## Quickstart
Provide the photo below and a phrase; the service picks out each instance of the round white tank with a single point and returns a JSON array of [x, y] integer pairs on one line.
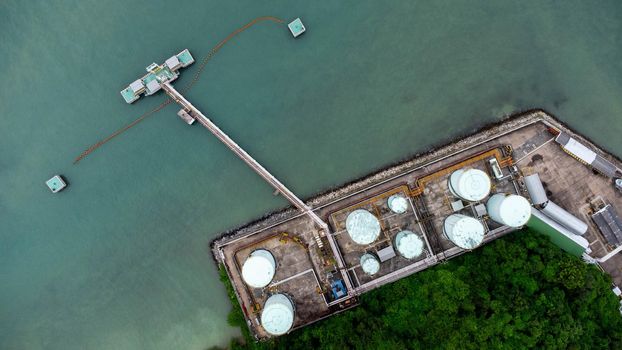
[[536, 189], [258, 270], [398, 204], [370, 264], [362, 226], [509, 209], [471, 185], [277, 316], [464, 231], [408, 244]]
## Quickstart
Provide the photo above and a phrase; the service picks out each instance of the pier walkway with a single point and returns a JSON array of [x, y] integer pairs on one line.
[[259, 169]]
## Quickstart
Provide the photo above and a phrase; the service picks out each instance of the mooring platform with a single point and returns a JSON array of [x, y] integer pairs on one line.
[[56, 184], [149, 84]]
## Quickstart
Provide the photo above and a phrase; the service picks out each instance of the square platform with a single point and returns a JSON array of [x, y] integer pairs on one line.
[[56, 184], [296, 27]]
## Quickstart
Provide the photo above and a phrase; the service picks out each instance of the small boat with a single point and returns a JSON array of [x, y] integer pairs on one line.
[[56, 184]]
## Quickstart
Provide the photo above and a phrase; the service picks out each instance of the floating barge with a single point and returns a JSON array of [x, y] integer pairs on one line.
[[149, 84], [444, 206]]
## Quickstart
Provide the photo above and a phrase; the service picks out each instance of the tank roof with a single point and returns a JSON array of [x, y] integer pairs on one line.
[[515, 210], [397, 203], [258, 270], [408, 244], [470, 184], [362, 226], [277, 316], [464, 231]]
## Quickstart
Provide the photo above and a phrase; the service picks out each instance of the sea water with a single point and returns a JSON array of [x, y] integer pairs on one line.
[[120, 259]]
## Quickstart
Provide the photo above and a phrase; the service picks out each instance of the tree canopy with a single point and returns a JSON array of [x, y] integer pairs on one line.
[[517, 292]]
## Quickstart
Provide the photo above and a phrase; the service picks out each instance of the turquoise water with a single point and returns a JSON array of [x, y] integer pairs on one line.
[[120, 260]]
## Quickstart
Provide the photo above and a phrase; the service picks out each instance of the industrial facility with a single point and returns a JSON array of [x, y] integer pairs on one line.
[[288, 271]]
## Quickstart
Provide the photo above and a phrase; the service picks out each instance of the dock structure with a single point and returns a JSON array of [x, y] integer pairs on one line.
[[149, 84], [240, 152], [259, 169], [161, 76]]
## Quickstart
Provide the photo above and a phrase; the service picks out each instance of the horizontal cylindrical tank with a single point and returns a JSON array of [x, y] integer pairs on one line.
[[362, 226], [277, 316], [370, 264], [464, 231], [471, 184], [509, 209], [408, 244], [398, 203], [563, 217], [535, 189], [258, 270]]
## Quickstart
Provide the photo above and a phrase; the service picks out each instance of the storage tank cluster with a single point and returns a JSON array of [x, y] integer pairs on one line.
[[277, 316], [550, 209], [474, 185]]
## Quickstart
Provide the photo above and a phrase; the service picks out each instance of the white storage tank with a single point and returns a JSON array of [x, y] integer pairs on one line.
[[464, 231], [277, 316], [408, 244], [535, 189], [370, 264], [362, 226], [471, 184], [258, 270], [398, 203], [563, 217], [509, 209]]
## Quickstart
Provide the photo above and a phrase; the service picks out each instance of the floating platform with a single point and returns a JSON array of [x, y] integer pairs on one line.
[[56, 184], [151, 82], [296, 27]]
